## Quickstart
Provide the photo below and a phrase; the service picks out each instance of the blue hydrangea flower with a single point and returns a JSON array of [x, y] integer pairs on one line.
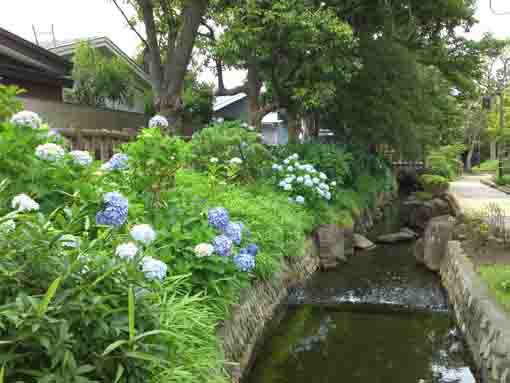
[[252, 249], [218, 218], [244, 261], [118, 161], [115, 210], [154, 268], [222, 245], [234, 231]]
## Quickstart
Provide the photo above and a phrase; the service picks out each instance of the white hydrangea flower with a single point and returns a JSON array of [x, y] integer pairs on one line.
[[154, 268], [327, 195], [126, 251], [333, 183], [307, 177], [27, 118], [236, 161], [81, 157], [204, 250], [70, 241], [324, 186], [22, 202], [290, 168], [275, 167], [50, 152], [282, 183], [300, 199], [300, 179], [220, 120], [143, 233], [158, 121], [286, 161], [287, 187], [323, 176], [316, 180], [7, 226], [251, 128], [213, 160], [308, 183]]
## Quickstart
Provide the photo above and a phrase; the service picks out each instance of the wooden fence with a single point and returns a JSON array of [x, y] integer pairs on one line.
[[99, 142]]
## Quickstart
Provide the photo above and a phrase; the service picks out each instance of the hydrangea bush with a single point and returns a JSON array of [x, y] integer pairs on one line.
[[303, 182]]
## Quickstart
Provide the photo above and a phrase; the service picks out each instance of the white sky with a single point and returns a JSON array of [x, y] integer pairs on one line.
[[87, 18]]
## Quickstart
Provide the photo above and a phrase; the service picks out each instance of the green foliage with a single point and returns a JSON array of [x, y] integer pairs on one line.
[[100, 80], [154, 159], [334, 160], [51, 182], [444, 161], [64, 313], [433, 180], [197, 100], [503, 180], [278, 235], [424, 196], [228, 140], [497, 277], [487, 166], [8, 102]]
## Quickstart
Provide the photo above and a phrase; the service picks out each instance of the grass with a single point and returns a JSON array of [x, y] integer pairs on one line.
[[497, 278], [487, 166]]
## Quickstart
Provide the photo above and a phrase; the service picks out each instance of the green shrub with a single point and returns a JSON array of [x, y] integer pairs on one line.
[[227, 140], [444, 161], [334, 160], [433, 180], [9, 104], [498, 277], [503, 180], [68, 309], [487, 166], [424, 196]]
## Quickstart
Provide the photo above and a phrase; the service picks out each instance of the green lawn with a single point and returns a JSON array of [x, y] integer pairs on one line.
[[498, 279]]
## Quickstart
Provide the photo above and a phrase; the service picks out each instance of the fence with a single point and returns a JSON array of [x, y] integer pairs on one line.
[[99, 131]]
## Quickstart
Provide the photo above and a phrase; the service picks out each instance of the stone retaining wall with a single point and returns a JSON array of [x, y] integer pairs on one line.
[[484, 323], [244, 331], [260, 303]]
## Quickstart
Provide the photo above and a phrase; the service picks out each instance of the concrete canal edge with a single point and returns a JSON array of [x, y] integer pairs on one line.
[[484, 323]]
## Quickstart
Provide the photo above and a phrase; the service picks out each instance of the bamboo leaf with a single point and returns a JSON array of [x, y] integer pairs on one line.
[[114, 346], [118, 375], [43, 306], [131, 314]]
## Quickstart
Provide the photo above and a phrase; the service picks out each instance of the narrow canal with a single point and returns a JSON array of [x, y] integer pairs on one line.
[[378, 319]]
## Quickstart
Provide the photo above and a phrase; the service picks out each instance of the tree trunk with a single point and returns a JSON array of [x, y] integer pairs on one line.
[[469, 157], [494, 151], [294, 126], [254, 86]]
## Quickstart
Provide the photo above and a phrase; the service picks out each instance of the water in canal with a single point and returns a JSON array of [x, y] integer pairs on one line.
[[378, 319]]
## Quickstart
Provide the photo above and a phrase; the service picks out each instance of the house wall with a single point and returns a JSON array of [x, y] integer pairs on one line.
[[62, 115], [41, 91]]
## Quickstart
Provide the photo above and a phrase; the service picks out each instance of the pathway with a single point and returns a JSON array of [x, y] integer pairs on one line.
[[473, 196]]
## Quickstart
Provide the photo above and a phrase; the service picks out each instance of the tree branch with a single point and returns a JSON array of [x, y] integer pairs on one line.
[[129, 23], [233, 91]]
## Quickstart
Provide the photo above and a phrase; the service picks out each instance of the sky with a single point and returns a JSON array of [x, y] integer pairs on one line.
[[92, 18]]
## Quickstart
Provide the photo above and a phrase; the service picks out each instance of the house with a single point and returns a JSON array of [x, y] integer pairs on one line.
[[274, 130], [43, 74], [67, 48]]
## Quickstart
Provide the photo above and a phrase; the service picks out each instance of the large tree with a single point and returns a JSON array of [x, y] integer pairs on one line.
[[171, 27], [294, 49]]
